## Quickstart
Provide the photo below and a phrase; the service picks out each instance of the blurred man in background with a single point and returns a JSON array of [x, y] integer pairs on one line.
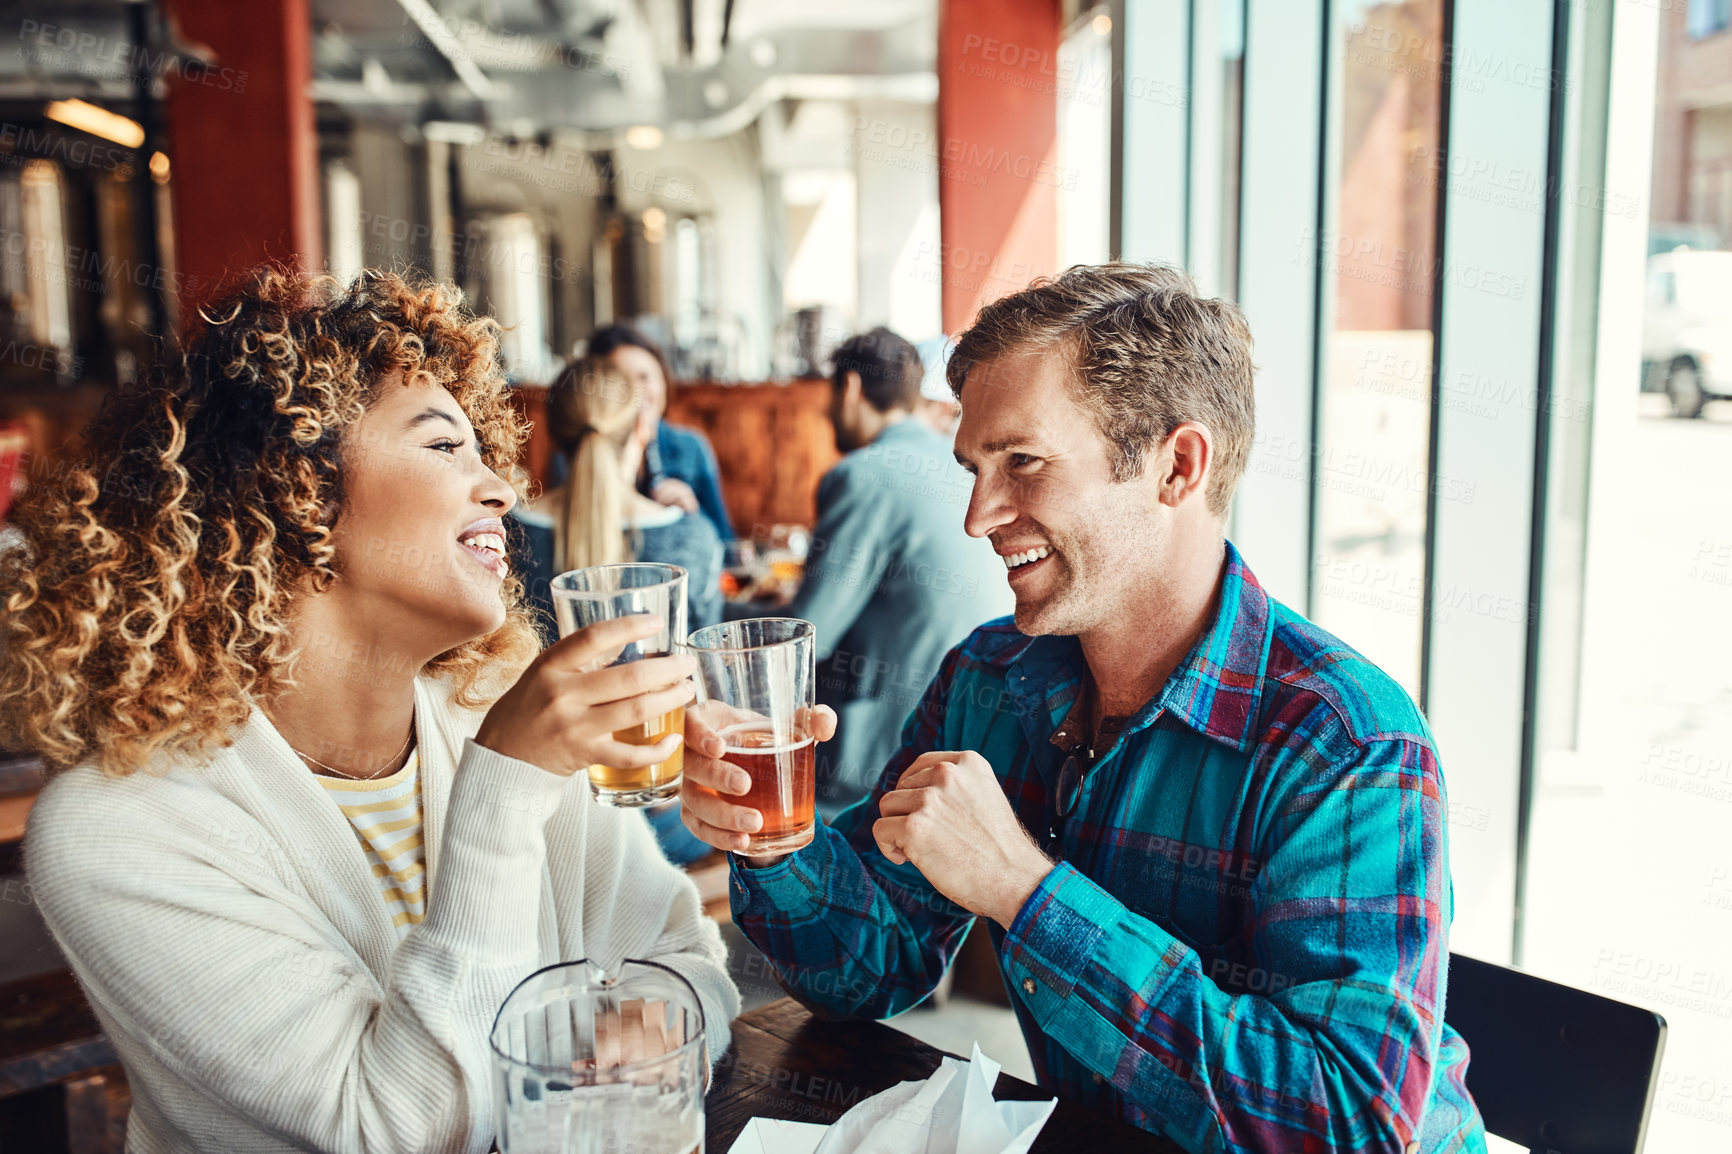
[[892, 581]]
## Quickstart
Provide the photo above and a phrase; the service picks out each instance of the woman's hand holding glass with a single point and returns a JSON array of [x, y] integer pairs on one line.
[[563, 712]]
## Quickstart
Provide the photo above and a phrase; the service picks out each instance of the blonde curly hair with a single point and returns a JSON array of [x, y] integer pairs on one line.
[[149, 604]]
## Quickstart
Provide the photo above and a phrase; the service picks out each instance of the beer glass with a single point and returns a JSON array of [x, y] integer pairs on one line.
[[755, 685], [592, 1061], [583, 597]]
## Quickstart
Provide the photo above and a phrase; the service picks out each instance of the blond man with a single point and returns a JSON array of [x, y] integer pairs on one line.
[[1207, 838]]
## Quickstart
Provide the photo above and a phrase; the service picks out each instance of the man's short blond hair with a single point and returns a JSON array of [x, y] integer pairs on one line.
[[1148, 353]]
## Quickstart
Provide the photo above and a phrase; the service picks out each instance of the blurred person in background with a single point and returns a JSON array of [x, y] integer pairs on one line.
[[678, 466], [937, 405], [319, 798], [601, 423], [892, 581]]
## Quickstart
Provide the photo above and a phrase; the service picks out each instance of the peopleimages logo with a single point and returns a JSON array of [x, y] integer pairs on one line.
[[45, 358], [1406, 49], [1512, 186], [85, 269], [1370, 259], [93, 51], [24, 144], [1070, 78]]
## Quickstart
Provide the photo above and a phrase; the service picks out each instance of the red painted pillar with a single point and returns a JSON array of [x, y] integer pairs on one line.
[[242, 141], [998, 84]]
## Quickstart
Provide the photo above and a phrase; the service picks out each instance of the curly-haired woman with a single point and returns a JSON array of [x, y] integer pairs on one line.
[[318, 804]]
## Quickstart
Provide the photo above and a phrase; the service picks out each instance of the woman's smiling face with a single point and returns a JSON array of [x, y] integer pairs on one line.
[[420, 546]]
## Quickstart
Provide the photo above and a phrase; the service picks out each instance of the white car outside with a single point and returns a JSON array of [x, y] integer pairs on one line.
[[1687, 329]]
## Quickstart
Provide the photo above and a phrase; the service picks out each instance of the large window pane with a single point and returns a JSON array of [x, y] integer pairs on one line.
[[1375, 399], [1231, 61], [1217, 129], [1085, 123], [1707, 17], [1629, 878]]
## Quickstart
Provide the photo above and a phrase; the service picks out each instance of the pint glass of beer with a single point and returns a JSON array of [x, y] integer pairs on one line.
[[583, 597], [755, 685]]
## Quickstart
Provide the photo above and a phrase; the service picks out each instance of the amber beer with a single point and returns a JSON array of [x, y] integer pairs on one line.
[[658, 778], [584, 597], [755, 681], [783, 783]]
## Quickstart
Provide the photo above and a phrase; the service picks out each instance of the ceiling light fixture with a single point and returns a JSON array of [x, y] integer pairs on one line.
[[97, 121], [453, 132]]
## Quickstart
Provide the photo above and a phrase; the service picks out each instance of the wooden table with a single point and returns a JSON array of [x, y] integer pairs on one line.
[[47, 1032], [785, 1063], [61, 1085]]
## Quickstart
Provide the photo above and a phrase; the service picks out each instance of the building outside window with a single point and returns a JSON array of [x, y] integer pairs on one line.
[[1707, 17]]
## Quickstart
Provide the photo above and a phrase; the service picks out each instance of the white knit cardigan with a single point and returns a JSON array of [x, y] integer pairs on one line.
[[231, 938]]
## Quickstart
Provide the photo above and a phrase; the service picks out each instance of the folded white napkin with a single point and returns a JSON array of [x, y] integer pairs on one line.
[[774, 1136], [952, 1112]]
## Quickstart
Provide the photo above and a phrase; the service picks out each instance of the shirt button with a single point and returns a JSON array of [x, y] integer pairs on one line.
[[1028, 985], [1099, 1081], [1413, 1148]]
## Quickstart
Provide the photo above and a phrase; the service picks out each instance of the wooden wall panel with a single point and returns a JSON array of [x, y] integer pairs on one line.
[[538, 451], [773, 442]]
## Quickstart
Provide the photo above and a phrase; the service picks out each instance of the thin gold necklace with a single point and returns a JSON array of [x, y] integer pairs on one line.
[[354, 776]]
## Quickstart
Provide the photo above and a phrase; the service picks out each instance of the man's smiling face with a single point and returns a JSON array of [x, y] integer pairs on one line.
[[1076, 543]]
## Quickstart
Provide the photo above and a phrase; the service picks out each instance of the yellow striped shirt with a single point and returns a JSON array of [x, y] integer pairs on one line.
[[386, 815]]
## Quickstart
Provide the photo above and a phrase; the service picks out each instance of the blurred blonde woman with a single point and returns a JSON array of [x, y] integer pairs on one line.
[[600, 422], [318, 801]]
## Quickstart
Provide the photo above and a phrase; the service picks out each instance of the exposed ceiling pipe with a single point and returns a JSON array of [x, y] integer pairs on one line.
[[433, 27], [913, 88]]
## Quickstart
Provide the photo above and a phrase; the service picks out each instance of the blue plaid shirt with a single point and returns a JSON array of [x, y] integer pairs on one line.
[[1244, 943]]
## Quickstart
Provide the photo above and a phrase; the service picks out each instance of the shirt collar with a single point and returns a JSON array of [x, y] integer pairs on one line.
[[1216, 690], [1218, 687]]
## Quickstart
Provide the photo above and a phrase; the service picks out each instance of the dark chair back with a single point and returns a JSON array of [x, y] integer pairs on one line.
[[1554, 1068]]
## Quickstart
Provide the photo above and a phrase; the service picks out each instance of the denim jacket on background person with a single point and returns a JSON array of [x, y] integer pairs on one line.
[[683, 454]]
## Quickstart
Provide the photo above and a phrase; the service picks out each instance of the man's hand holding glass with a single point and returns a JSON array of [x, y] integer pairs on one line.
[[948, 816]]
